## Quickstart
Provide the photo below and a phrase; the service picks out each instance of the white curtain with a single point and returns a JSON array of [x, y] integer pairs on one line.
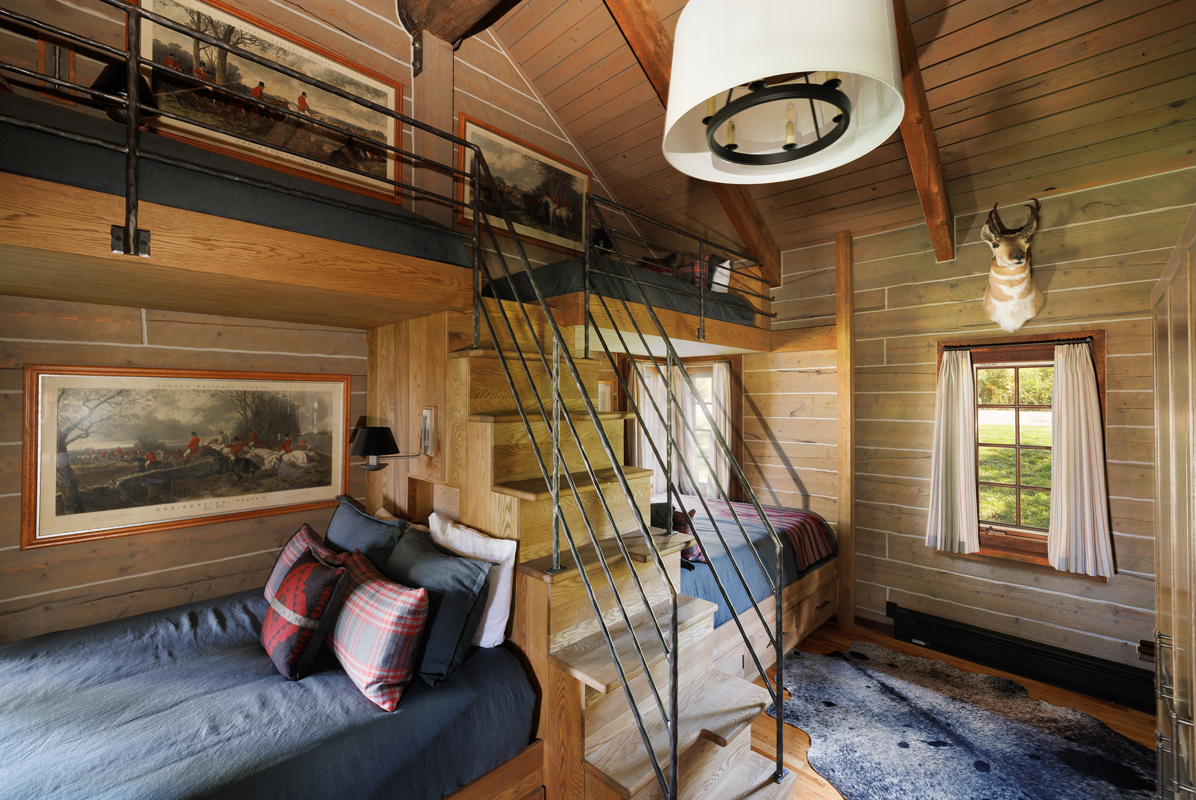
[[1078, 539], [722, 420], [685, 446], [954, 516], [653, 429]]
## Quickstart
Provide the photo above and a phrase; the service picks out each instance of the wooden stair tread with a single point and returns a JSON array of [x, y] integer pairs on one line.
[[588, 659], [540, 568], [751, 778], [715, 706], [534, 416], [534, 489]]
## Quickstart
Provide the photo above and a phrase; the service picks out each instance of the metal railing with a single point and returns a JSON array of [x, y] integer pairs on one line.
[[518, 345]]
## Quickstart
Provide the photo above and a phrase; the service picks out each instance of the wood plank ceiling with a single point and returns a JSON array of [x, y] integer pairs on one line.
[[1028, 97]]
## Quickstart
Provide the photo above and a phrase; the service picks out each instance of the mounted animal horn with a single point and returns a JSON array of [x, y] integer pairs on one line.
[[1012, 296]]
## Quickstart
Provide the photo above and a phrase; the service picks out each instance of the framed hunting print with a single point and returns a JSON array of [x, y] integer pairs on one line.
[[544, 195], [111, 451], [269, 116]]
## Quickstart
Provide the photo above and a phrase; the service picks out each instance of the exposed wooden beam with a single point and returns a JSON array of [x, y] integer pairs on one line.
[[653, 48], [845, 369], [449, 20], [917, 129]]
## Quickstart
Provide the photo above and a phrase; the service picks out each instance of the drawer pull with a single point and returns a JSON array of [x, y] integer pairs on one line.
[[822, 605]]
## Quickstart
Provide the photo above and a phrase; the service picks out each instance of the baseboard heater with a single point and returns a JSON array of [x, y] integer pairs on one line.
[[1107, 680]]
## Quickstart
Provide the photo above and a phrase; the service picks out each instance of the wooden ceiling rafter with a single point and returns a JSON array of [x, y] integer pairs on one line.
[[653, 48], [448, 20], [917, 131]]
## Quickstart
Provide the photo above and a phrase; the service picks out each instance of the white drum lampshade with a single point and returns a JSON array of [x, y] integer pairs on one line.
[[834, 61]]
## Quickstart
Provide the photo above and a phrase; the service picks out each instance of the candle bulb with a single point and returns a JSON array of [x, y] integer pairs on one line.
[[709, 111], [731, 134], [790, 137]]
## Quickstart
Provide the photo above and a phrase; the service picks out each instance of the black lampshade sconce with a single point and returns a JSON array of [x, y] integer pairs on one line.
[[114, 80], [377, 443]]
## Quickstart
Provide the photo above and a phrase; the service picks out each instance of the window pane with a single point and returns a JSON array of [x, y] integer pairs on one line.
[[994, 387], [996, 426], [1036, 509], [996, 465], [1034, 386], [998, 505], [1036, 468], [1035, 427]]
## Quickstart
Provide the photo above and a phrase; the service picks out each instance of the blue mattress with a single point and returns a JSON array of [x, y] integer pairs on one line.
[[185, 703], [663, 291], [49, 157]]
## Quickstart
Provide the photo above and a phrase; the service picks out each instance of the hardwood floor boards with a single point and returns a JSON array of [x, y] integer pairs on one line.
[[830, 637]]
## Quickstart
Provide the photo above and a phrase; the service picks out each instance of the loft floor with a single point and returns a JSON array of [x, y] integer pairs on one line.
[[830, 637]]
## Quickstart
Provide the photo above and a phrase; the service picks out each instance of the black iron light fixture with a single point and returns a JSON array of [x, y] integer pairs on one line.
[[377, 444], [114, 80]]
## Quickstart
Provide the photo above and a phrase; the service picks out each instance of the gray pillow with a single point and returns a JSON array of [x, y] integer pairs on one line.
[[352, 529], [457, 589]]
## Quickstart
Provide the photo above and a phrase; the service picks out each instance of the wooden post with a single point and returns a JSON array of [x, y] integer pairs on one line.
[[432, 98], [380, 408], [845, 367]]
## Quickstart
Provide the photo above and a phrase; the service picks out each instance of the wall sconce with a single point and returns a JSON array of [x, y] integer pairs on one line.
[[114, 80], [378, 442]]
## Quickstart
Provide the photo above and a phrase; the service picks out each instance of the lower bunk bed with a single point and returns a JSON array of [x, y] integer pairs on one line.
[[189, 703], [809, 576]]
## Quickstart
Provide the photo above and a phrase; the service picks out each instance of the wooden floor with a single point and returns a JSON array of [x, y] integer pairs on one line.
[[830, 637]]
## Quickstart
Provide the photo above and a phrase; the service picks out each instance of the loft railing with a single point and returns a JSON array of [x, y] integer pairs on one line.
[[549, 352]]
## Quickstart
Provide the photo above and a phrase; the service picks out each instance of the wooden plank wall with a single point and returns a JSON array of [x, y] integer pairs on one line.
[[1096, 256], [67, 586]]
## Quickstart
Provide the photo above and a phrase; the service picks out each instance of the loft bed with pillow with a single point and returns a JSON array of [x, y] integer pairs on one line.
[[809, 577], [195, 701]]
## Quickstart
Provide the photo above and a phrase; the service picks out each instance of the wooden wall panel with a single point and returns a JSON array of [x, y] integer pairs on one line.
[[71, 585], [1097, 254]]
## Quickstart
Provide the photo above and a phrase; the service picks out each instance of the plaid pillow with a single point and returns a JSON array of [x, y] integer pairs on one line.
[[681, 520], [301, 613], [693, 553], [378, 632], [304, 539], [697, 272]]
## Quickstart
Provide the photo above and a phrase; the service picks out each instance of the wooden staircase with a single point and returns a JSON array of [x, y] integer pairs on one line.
[[593, 746]]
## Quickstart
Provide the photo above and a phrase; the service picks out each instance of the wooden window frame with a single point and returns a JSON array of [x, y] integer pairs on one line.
[[1009, 543]]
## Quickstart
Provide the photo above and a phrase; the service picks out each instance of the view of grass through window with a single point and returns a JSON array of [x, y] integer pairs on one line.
[[1013, 425]]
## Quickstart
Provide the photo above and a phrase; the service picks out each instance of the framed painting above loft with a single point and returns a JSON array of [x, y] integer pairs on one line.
[[290, 131], [111, 451], [544, 195]]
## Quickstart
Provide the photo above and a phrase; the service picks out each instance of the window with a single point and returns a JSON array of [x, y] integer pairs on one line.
[[1013, 460], [703, 439]]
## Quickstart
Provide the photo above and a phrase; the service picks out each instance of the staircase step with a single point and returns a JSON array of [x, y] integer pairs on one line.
[[750, 778], [534, 415], [714, 706], [534, 489], [588, 660], [637, 548], [509, 352]]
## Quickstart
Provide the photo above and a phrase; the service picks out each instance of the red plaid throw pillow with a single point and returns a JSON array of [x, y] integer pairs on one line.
[[304, 539], [681, 519], [378, 632], [697, 272], [301, 613]]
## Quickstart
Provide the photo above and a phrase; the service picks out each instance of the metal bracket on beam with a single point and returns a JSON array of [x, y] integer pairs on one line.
[[417, 54], [140, 248]]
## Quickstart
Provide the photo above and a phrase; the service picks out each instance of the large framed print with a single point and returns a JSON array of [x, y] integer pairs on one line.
[[292, 142], [544, 195], [111, 451]]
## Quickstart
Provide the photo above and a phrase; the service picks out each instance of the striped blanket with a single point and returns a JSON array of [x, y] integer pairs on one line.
[[804, 531]]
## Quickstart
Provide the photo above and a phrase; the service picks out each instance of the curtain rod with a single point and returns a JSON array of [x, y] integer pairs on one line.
[[1081, 340]]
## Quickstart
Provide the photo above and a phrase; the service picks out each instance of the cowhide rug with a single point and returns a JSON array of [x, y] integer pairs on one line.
[[886, 726]]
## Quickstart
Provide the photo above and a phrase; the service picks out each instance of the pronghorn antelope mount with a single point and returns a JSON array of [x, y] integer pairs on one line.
[[1012, 296]]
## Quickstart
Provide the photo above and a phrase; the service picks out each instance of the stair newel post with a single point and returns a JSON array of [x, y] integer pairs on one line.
[[556, 455]]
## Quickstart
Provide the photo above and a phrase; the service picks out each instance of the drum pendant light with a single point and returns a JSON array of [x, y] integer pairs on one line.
[[772, 90]]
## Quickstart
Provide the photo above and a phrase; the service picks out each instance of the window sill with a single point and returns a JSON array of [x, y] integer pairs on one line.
[[1037, 563]]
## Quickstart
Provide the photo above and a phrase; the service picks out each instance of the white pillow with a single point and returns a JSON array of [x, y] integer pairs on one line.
[[721, 277], [470, 543], [438, 523]]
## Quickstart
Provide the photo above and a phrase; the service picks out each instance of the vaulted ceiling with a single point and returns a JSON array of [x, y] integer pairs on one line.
[[1027, 97]]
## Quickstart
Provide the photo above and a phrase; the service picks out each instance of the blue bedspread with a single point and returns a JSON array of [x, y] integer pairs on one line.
[[185, 703], [806, 538]]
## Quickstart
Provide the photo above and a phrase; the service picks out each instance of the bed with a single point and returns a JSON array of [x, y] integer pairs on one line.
[[663, 291], [185, 703], [809, 575], [49, 157]]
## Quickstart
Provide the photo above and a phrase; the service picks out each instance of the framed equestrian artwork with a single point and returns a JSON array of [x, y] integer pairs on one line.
[[112, 451], [543, 194], [269, 117]]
